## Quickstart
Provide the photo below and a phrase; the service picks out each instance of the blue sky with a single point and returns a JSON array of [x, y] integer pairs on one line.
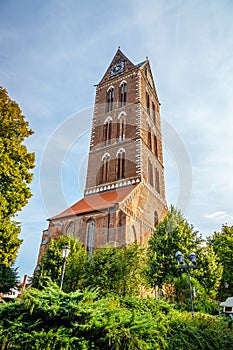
[[53, 52]]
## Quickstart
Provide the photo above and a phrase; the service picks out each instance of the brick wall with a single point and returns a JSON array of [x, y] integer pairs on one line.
[[133, 218]]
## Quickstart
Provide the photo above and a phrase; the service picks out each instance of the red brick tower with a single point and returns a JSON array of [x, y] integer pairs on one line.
[[124, 197]]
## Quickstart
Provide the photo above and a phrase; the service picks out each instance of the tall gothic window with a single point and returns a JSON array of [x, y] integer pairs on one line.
[[120, 165], [110, 99], [156, 219], [105, 168], [121, 128], [107, 131], [70, 228], [150, 172], [90, 237], [122, 94], [149, 143], [155, 146], [157, 181], [148, 103], [154, 113]]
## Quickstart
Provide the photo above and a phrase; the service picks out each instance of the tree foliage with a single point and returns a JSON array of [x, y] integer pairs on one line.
[[175, 234], [76, 268], [129, 270], [111, 270], [15, 174], [8, 278], [9, 241], [117, 270], [201, 300], [222, 244], [53, 320], [209, 270], [51, 265]]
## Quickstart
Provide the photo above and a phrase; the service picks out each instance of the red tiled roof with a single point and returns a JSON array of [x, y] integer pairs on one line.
[[97, 201]]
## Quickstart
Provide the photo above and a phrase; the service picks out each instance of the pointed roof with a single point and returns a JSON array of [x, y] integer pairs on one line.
[[141, 63], [118, 58], [145, 67], [96, 202]]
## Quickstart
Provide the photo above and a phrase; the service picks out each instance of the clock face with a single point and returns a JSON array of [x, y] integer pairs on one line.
[[118, 68]]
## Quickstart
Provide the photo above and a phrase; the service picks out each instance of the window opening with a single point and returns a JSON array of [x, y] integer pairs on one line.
[[110, 99], [150, 172], [105, 166], [123, 94], [121, 165], [90, 237], [156, 219]]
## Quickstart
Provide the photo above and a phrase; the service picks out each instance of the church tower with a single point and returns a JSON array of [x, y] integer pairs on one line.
[[124, 198]]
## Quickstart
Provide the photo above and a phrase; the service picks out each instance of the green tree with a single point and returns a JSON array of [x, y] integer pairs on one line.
[[9, 241], [51, 265], [209, 270], [202, 301], [51, 319], [117, 270], [222, 244], [75, 276], [173, 234], [8, 278], [15, 174]]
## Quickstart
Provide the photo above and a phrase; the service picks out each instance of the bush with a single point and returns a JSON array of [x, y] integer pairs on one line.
[[51, 319]]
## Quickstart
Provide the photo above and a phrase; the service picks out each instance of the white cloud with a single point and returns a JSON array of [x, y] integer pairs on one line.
[[219, 216], [53, 53]]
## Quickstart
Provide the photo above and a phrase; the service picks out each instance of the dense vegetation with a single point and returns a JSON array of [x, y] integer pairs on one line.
[[8, 278], [111, 270], [222, 244], [108, 301], [52, 319], [15, 177], [174, 234], [135, 270]]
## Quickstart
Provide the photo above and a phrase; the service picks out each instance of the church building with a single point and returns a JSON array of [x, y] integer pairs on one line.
[[124, 198]]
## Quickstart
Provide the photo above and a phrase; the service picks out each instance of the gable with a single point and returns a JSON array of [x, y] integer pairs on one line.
[[119, 65], [148, 74]]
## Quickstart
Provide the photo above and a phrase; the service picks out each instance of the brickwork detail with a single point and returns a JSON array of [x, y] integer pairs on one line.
[[126, 135]]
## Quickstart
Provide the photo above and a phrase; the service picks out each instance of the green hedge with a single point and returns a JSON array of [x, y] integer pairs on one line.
[[51, 319]]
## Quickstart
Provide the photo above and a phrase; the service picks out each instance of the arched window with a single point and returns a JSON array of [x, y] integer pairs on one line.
[[156, 219], [149, 135], [120, 164], [105, 167], [121, 127], [134, 234], [157, 184], [148, 102], [150, 172], [122, 94], [155, 146], [90, 237], [110, 99], [70, 228], [153, 112], [120, 219], [107, 131]]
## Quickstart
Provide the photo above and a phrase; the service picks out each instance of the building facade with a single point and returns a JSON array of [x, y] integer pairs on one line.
[[124, 198]]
